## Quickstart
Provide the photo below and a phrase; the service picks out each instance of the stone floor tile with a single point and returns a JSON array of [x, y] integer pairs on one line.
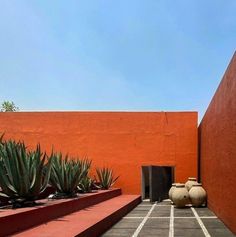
[[160, 214], [204, 212], [146, 232], [185, 223], [188, 233], [213, 223], [127, 223], [142, 208], [161, 211], [137, 214], [162, 208], [141, 213], [183, 212], [158, 223], [165, 202], [222, 232]]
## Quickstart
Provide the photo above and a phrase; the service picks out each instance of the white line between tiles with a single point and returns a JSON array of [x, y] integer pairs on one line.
[[137, 231], [150, 217], [206, 233], [167, 217], [171, 228], [159, 205], [193, 217]]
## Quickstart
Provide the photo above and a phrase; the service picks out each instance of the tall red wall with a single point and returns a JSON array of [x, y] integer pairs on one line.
[[122, 140], [217, 143]]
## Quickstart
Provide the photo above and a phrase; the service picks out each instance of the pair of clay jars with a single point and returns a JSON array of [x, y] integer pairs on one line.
[[192, 192], [197, 194]]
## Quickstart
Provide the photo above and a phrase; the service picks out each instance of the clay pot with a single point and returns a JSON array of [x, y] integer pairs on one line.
[[171, 191], [191, 181], [180, 195], [197, 195]]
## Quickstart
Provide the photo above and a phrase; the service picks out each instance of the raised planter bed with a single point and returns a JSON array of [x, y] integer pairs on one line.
[[12, 221], [89, 222]]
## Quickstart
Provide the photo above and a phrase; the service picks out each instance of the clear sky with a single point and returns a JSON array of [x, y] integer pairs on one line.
[[147, 55]]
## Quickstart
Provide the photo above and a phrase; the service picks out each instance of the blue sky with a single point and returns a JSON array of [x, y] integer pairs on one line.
[[147, 55]]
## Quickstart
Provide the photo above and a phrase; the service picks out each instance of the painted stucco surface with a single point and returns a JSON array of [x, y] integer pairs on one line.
[[122, 140], [217, 141]]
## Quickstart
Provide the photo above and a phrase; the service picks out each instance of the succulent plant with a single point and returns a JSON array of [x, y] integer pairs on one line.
[[86, 184], [23, 174], [66, 174], [105, 177]]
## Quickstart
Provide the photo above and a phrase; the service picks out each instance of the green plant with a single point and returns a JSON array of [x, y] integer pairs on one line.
[[86, 184], [105, 177], [9, 106], [23, 174], [66, 174]]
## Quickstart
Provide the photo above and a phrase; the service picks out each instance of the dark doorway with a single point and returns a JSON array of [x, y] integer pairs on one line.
[[156, 182], [145, 183]]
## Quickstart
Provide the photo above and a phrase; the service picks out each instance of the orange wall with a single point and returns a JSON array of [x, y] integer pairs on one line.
[[217, 141], [123, 140]]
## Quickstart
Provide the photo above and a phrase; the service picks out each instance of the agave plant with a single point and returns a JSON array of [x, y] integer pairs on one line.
[[86, 185], [66, 174], [105, 177], [23, 174]]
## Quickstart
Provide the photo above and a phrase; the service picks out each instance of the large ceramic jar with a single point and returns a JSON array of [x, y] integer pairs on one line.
[[171, 191], [197, 195], [180, 195], [191, 181]]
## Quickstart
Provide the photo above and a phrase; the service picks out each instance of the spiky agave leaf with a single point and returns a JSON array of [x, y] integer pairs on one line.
[[1, 138], [21, 172], [106, 177], [86, 184], [66, 174]]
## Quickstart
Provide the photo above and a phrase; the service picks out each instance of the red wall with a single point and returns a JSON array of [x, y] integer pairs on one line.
[[217, 141], [123, 140]]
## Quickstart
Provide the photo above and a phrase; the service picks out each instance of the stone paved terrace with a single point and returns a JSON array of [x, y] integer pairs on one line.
[[162, 219]]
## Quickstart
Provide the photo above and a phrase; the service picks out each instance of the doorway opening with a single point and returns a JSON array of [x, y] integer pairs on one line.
[[156, 182], [146, 183]]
